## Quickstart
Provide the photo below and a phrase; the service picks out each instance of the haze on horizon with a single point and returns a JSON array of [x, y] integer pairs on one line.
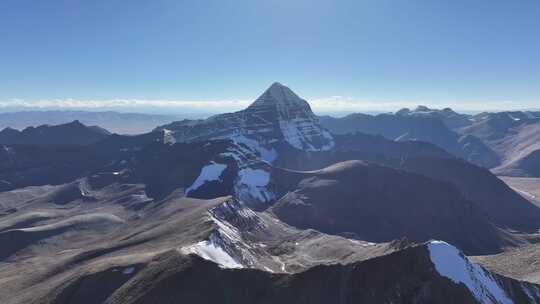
[[170, 56]]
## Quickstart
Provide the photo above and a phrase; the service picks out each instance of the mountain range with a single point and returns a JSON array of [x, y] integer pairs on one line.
[[116, 122], [73, 133], [506, 142], [269, 204]]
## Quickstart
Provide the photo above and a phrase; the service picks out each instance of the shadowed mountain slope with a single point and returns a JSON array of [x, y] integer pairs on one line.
[[69, 134], [378, 204], [400, 127]]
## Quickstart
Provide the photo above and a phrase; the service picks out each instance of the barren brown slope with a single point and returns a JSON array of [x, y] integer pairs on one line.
[[92, 243], [513, 136], [527, 187], [519, 263]]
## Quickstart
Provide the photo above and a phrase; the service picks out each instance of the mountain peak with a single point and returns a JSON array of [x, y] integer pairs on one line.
[[276, 85], [279, 95], [72, 133], [422, 108], [74, 123], [277, 116], [10, 130]]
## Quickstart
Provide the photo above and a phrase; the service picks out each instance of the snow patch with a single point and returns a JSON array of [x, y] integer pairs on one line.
[[362, 243], [514, 118], [128, 270], [252, 185], [209, 173], [212, 250], [452, 264], [225, 245], [238, 216], [330, 144], [8, 149], [243, 155], [293, 136], [299, 133], [168, 137], [268, 155]]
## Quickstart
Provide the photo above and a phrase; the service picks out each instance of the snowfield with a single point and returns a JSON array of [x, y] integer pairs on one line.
[[266, 154], [252, 185], [299, 133], [209, 173]]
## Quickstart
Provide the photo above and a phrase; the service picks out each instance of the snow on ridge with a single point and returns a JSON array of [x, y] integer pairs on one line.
[[225, 246], [513, 117], [209, 173], [252, 182], [232, 207], [212, 250], [452, 264], [237, 215]]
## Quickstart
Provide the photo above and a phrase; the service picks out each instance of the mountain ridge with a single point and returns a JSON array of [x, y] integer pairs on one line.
[[70, 134]]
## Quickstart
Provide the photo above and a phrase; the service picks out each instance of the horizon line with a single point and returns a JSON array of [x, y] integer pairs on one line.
[[332, 104]]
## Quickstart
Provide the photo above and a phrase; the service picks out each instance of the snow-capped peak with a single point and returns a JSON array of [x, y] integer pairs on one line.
[[277, 116], [296, 124]]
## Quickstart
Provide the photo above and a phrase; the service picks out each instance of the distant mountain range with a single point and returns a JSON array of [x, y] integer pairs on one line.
[[507, 142], [514, 136], [270, 204], [121, 123], [72, 134], [405, 126]]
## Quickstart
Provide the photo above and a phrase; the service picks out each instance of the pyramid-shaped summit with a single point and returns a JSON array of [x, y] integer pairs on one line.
[[288, 117], [278, 116], [280, 98]]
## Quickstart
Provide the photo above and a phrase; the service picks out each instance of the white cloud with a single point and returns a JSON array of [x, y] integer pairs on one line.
[[332, 104], [349, 104], [70, 103]]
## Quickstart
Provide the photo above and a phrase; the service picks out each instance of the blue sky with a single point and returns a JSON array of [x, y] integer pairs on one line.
[[340, 55]]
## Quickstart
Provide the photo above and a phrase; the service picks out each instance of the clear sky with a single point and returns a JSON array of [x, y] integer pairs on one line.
[[340, 55]]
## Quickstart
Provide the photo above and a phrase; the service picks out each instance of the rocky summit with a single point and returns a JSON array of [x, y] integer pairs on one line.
[[278, 117]]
